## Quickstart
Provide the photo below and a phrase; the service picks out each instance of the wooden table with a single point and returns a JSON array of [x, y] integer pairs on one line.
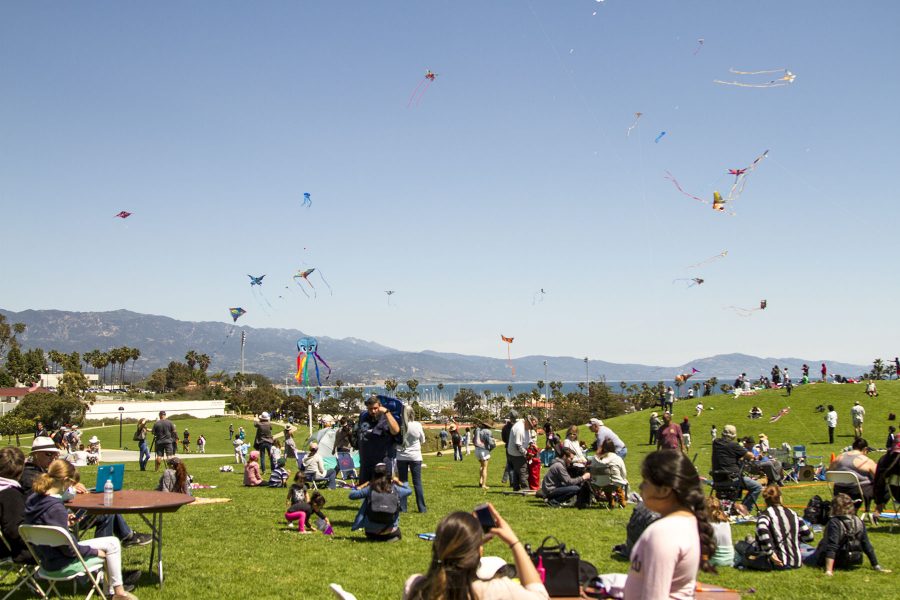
[[137, 502]]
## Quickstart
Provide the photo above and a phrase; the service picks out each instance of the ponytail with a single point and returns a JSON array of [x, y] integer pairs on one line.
[[696, 503], [58, 473]]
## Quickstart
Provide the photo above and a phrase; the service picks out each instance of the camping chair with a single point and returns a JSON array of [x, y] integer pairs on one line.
[[346, 466], [49, 535], [341, 592], [24, 573], [728, 488], [849, 478], [300, 456], [893, 485]]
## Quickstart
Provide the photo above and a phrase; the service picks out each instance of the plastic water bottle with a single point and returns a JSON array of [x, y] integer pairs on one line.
[[108, 493]]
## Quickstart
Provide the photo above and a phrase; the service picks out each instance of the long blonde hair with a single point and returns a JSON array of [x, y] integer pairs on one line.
[[59, 473]]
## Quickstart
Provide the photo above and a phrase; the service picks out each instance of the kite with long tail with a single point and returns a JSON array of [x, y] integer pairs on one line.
[[389, 294], [691, 282], [307, 199], [509, 342], [423, 86], [748, 312], [256, 289], [637, 117], [304, 276], [787, 78], [307, 352], [682, 377], [721, 254]]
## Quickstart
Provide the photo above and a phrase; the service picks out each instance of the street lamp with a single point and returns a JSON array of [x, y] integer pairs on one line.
[[121, 412], [587, 382], [546, 383]]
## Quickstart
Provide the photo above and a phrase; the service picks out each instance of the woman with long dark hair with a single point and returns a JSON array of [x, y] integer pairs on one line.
[[175, 478], [666, 558], [454, 570], [379, 515]]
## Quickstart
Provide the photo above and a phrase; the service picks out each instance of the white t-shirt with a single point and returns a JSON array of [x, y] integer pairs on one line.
[[665, 561], [412, 443]]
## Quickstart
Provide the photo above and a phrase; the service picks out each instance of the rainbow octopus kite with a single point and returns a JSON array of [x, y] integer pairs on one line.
[[681, 378], [426, 81], [307, 351], [509, 342]]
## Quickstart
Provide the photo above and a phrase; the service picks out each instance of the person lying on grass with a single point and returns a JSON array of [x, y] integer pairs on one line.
[[454, 572]]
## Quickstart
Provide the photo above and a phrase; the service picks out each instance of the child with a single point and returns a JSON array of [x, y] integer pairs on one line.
[[297, 492], [279, 475], [713, 432], [238, 454], [201, 444], [245, 450], [252, 475], [303, 510], [532, 459], [699, 408], [275, 451], [724, 554], [94, 451]]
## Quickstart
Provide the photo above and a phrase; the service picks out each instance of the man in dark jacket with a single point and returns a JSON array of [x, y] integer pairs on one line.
[[558, 486], [12, 505]]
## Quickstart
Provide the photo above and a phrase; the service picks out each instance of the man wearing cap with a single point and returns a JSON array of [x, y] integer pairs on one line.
[[727, 456], [44, 452], [264, 440], [521, 434], [376, 430], [857, 415], [165, 438], [605, 433]]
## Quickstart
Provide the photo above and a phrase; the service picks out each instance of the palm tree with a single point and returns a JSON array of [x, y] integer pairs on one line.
[[135, 355], [390, 385], [203, 360], [412, 385], [191, 359], [440, 389]]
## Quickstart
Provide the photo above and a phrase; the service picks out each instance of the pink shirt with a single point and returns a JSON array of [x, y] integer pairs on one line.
[[665, 561], [500, 588]]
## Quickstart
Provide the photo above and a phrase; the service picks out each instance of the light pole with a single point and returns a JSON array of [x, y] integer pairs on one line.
[[121, 412], [546, 383], [587, 383]]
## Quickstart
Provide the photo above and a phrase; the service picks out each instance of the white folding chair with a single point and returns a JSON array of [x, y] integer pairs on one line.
[[23, 573], [341, 592], [848, 478], [49, 535]]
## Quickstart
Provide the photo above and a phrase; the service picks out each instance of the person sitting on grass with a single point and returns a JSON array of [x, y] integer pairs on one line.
[[175, 478], [845, 540], [721, 524], [279, 476], [379, 515], [303, 510], [252, 474], [558, 487], [779, 532], [666, 558], [45, 506], [314, 467], [608, 474], [456, 553]]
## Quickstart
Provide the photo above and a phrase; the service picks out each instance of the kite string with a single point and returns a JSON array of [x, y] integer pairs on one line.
[[413, 95]]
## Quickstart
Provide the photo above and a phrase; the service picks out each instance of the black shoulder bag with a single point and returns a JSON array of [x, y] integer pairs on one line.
[[562, 567]]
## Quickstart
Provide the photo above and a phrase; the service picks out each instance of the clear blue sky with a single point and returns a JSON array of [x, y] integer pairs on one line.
[[208, 121]]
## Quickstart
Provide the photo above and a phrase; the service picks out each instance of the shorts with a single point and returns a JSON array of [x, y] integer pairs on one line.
[[165, 449], [686, 438], [482, 454]]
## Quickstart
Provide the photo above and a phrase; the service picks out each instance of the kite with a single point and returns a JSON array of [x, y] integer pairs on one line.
[[659, 137], [124, 214], [426, 82], [307, 200], [304, 275], [236, 313], [256, 280], [677, 185], [691, 281], [538, 296], [637, 117], [509, 342], [736, 172], [718, 203], [680, 379], [307, 351], [780, 414], [786, 79], [699, 46], [722, 254], [748, 312], [740, 177], [389, 294]]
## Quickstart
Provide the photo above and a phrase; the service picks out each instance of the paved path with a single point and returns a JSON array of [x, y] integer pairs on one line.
[[116, 456]]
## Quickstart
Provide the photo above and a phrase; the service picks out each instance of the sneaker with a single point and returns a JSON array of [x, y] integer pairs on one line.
[[131, 577], [137, 539]]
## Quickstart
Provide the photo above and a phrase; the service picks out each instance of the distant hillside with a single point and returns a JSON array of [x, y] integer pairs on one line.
[[272, 352]]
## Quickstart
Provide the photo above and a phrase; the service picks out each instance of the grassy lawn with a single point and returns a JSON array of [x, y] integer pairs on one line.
[[243, 547]]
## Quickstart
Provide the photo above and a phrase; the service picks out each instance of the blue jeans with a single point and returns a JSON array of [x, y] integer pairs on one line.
[[144, 456], [113, 525], [416, 468], [622, 452], [457, 452], [563, 493], [754, 489], [330, 478], [265, 449]]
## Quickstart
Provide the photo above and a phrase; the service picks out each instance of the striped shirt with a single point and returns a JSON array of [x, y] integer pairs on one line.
[[779, 531]]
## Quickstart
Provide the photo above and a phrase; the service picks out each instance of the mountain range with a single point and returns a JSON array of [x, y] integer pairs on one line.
[[271, 352]]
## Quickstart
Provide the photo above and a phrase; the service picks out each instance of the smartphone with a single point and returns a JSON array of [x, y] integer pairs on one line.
[[485, 517]]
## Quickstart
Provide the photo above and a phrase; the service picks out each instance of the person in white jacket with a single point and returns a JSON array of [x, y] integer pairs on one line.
[[409, 459]]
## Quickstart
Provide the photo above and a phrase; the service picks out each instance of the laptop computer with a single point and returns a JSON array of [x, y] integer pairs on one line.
[[114, 472]]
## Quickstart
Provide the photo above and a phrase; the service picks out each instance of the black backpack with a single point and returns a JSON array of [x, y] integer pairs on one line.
[[850, 552], [817, 511], [383, 507]]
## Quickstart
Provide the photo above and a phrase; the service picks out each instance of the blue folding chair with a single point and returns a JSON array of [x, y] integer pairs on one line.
[[346, 466]]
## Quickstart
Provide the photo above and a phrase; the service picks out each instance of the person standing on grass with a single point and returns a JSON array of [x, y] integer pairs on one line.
[[456, 441], [484, 443], [263, 440], [231, 431], [824, 372], [164, 437], [654, 427], [467, 439], [666, 558], [831, 419], [140, 436], [377, 428], [857, 415], [520, 436], [686, 434], [409, 460], [504, 435], [669, 436]]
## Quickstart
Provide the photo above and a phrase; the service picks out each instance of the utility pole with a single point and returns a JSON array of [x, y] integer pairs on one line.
[[243, 342], [587, 383], [546, 383]]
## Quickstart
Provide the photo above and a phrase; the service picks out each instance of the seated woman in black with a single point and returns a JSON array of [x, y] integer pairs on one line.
[[845, 540], [12, 505]]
